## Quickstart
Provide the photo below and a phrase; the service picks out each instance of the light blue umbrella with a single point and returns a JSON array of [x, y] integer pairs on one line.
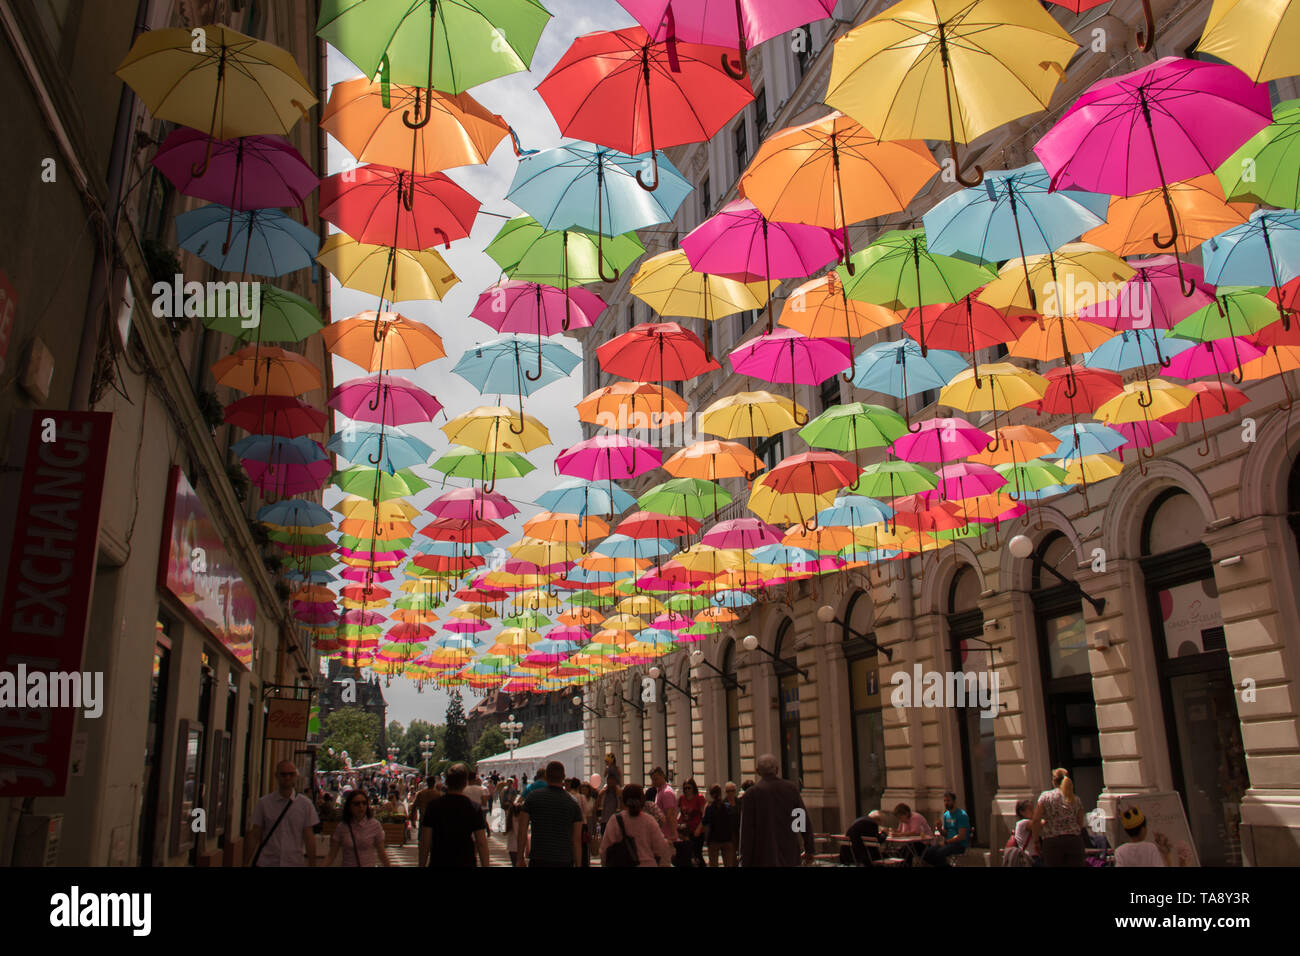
[[1133, 348], [448, 549], [294, 512], [1049, 491], [1263, 251], [1087, 438], [278, 450], [594, 188], [781, 554], [621, 546], [580, 575], [580, 497], [734, 599], [504, 366], [898, 369], [656, 637], [389, 447], [855, 511], [264, 242]]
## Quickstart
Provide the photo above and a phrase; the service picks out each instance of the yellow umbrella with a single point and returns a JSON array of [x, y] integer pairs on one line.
[[394, 275], [1073, 277], [473, 612], [494, 429], [624, 622], [516, 636], [702, 557], [545, 553], [998, 386], [541, 600], [640, 605], [751, 415], [1256, 36], [668, 285], [393, 509], [948, 69], [787, 508], [1143, 401], [1091, 468]]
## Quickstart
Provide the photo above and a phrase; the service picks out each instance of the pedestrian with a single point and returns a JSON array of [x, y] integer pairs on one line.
[[956, 833], [768, 809], [611, 766], [647, 844], [592, 838], [359, 837], [475, 791], [609, 799], [1058, 820], [720, 825], [550, 826], [691, 809], [281, 831], [573, 787], [512, 829], [1138, 851], [423, 799], [539, 781], [453, 828], [665, 800]]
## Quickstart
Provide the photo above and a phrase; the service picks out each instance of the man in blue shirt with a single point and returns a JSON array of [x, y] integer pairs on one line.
[[956, 832]]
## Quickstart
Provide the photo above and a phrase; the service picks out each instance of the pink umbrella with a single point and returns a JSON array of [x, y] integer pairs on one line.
[[1153, 298], [471, 504], [1213, 358], [968, 480], [363, 618], [745, 533], [373, 555], [608, 456], [787, 356], [367, 575], [672, 621], [1142, 434], [384, 399], [568, 632], [282, 481], [740, 241], [1167, 122], [941, 440], [531, 307], [747, 23], [1212, 400], [462, 626]]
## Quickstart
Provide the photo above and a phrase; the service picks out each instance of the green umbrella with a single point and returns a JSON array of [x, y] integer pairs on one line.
[[1264, 169], [1233, 313], [891, 479], [365, 481], [297, 537], [1032, 475], [281, 316], [529, 253], [853, 427], [314, 562], [418, 602], [376, 544], [471, 41], [685, 498], [587, 599], [462, 462], [687, 603], [530, 620], [897, 271], [702, 627], [601, 650]]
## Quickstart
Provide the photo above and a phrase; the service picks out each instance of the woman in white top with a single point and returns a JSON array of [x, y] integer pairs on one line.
[[1058, 822], [359, 837]]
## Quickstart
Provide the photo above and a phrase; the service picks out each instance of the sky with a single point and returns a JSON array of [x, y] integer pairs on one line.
[[514, 98]]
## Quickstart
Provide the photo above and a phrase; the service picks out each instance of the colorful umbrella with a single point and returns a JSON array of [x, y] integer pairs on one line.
[[384, 206], [262, 242]]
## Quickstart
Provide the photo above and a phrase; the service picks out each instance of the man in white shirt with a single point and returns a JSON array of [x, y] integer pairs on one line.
[[282, 825]]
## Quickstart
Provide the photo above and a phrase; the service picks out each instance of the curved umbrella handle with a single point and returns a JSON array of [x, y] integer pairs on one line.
[[654, 160], [1145, 401], [419, 122], [1205, 442], [374, 406], [529, 375], [1147, 39], [733, 72], [1173, 227], [957, 171], [1071, 386], [600, 259], [379, 452], [522, 425]]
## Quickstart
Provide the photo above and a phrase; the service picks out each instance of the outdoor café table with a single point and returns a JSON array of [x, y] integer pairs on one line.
[[909, 847]]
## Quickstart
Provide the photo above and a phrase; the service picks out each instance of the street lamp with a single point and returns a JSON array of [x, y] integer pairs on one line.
[[656, 673], [511, 728], [698, 659], [751, 644], [426, 748], [576, 700], [826, 614]]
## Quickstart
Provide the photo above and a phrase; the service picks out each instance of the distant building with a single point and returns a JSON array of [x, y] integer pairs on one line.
[[370, 698], [553, 711]]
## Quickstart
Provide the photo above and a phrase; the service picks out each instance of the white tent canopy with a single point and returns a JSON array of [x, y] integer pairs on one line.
[[569, 749]]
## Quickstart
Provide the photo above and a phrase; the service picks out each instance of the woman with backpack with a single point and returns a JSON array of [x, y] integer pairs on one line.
[[634, 838]]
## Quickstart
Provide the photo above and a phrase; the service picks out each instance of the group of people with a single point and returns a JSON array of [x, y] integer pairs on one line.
[[950, 837]]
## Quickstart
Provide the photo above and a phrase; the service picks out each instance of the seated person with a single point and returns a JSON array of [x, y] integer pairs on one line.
[[1138, 851], [910, 824], [1022, 846], [861, 829], [956, 833]]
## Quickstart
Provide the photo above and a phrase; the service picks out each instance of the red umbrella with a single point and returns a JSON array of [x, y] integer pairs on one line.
[[656, 352], [1077, 389], [812, 473], [463, 531], [643, 524], [1212, 400], [965, 326], [619, 89], [281, 415], [447, 563], [356, 592], [393, 207]]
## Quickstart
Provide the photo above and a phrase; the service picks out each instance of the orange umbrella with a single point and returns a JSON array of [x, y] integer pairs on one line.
[[267, 370], [626, 405], [581, 617], [1133, 222], [1049, 339], [401, 342], [363, 528], [549, 526], [833, 172], [822, 539], [714, 460], [411, 615], [1017, 443], [368, 119], [820, 309]]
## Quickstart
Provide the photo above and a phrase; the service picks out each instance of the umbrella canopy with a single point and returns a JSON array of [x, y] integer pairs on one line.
[[275, 415], [606, 457], [1251, 35], [394, 207], [627, 405], [713, 460], [262, 242], [492, 429], [384, 399], [1133, 224], [375, 341], [534, 308], [1263, 170], [751, 415], [669, 285], [394, 275], [269, 370], [247, 172], [656, 352], [527, 251]]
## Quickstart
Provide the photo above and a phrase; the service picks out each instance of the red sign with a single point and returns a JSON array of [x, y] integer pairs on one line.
[[286, 719], [196, 567], [8, 306], [47, 596]]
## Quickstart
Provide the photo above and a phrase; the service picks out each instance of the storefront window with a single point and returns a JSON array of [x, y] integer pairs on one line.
[[788, 693], [971, 655], [733, 714], [865, 717]]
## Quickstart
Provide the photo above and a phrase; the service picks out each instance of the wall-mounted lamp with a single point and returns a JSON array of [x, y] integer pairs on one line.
[[992, 624], [1229, 562], [826, 614], [1101, 637], [751, 644]]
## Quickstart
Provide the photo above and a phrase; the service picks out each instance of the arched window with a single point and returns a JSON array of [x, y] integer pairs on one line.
[[864, 704], [1072, 738], [733, 713], [1201, 722], [787, 679], [971, 655]]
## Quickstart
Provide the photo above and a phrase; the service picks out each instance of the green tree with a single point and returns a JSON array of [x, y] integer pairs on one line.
[[491, 742], [532, 734], [351, 729], [456, 734], [408, 743]]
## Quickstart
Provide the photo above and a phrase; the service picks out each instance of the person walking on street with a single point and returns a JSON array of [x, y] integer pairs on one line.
[[640, 829], [281, 831], [666, 802], [768, 809], [359, 837], [1058, 820], [453, 830], [423, 798], [550, 826], [720, 822], [609, 799], [691, 808]]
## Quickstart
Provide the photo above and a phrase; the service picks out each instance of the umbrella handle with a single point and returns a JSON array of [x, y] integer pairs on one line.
[[1286, 388], [374, 406], [741, 52], [1173, 229], [600, 254], [1147, 39], [1205, 444], [957, 171], [446, 241], [532, 378], [419, 122], [1149, 397], [654, 160], [379, 452], [1071, 386]]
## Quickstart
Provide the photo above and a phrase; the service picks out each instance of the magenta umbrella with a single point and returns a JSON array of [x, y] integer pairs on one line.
[[368, 575], [1142, 434], [284, 480], [608, 456], [568, 632], [372, 555], [787, 356], [385, 400], [740, 242], [472, 504], [1213, 358], [245, 173], [1167, 122], [941, 440], [743, 533], [363, 618], [672, 621], [1153, 298], [315, 612], [531, 307], [968, 480], [746, 23]]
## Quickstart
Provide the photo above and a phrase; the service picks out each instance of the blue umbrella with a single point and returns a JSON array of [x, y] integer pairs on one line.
[[312, 577], [580, 497], [594, 188], [899, 369], [1263, 251], [656, 637], [1087, 438], [1010, 215], [278, 450], [390, 447], [621, 546], [734, 599], [294, 512], [263, 242], [1133, 348], [580, 575], [781, 554], [503, 366], [855, 511], [448, 549]]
